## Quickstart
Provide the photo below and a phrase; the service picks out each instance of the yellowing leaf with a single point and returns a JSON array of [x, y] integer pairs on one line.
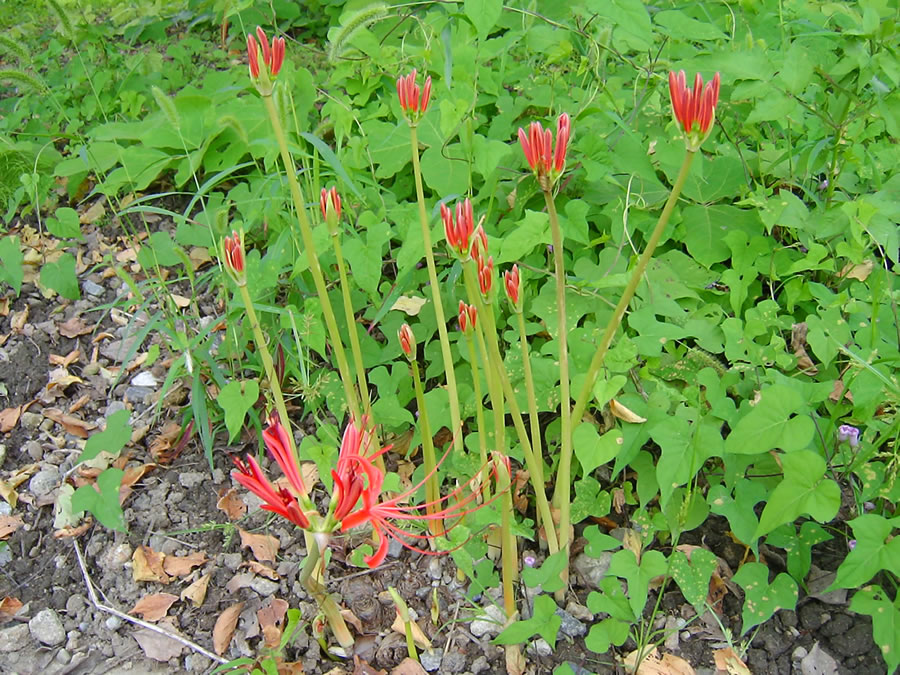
[[624, 414], [410, 305], [196, 592], [264, 546], [223, 631]]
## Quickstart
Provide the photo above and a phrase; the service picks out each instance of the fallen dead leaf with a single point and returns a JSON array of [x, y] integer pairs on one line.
[[223, 631], [181, 566], [18, 319], [19, 476], [93, 214], [515, 660], [858, 271], [9, 607], [408, 666], [72, 424], [418, 636], [180, 301], [64, 361], [196, 592], [263, 546], [199, 256], [9, 524], [625, 414], [131, 476], [231, 503], [67, 532], [631, 541], [74, 327], [262, 570], [4, 306], [271, 619], [9, 418], [839, 392], [239, 581], [157, 646], [147, 565], [409, 305], [154, 607], [360, 667], [817, 662], [82, 401], [653, 664], [727, 660]]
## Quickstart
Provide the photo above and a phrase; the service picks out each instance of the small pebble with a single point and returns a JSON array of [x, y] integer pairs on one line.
[[540, 647], [91, 288], [434, 568], [63, 657], [44, 481], [431, 660], [113, 623], [30, 420], [799, 654], [46, 627]]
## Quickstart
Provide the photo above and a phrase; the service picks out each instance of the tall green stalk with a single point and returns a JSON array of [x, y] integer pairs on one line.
[[479, 414], [614, 323], [455, 418], [313, 259], [432, 487], [534, 422], [564, 472]]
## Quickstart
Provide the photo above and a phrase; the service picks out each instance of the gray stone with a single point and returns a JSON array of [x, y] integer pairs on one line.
[[14, 638], [395, 548], [232, 560], [431, 660], [137, 394], [74, 605], [454, 662], [91, 288], [592, 570], [47, 628], [799, 653], [540, 647], [44, 481], [570, 625], [114, 558], [117, 350], [434, 568], [490, 622], [579, 611], [479, 665], [265, 587], [31, 420], [63, 657], [2, 453], [114, 407], [191, 479], [113, 623]]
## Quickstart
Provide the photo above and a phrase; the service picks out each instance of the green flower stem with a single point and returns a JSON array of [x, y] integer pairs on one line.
[[509, 553], [564, 471], [614, 323], [432, 487], [268, 365], [479, 415], [534, 422], [455, 418], [403, 613], [494, 389], [311, 579], [351, 324], [496, 361], [313, 259]]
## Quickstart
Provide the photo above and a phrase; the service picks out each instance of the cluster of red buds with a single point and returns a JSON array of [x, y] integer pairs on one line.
[[233, 257], [459, 230], [259, 53], [467, 316], [407, 341], [330, 205], [413, 101], [694, 110], [546, 161], [513, 284]]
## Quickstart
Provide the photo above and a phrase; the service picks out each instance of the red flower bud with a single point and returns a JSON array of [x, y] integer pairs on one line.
[[512, 283], [407, 341], [695, 110], [413, 103]]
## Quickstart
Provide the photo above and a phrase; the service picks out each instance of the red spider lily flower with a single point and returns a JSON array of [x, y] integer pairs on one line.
[[348, 480], [233, 257], [279, 445], [330, 204], [278, 500], [412, 102], [459, 230], [407, 341], [486, 275], [695, 110], [272, 59], [467, 316], [380, 512], [513, 284], [545, 161]]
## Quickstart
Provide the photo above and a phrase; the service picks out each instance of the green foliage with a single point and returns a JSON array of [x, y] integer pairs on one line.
[[236, 400], [11, 259], [111, 440], [102, 501], [544, 622], [761, 598], [885, 614]]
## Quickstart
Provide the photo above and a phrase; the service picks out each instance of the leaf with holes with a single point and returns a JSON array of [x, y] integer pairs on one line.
[[885, 614], [236, 399]]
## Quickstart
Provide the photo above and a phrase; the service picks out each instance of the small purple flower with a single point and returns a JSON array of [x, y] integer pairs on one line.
[[851, 544], [848, 434], [529, 560]]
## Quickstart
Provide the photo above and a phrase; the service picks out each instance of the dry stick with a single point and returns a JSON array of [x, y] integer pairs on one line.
[[131, 619], [455, 418], [628, 294], [313, 260]]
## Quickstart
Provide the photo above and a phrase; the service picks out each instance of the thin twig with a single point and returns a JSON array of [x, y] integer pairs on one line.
[[131, 619]]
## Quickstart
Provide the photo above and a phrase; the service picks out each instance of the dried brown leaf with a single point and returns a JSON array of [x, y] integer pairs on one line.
[[157, 646], [181, 566], [93, 214], [147, 565], [263, 546], [727, 660], [154, 607], [654, 664], [271, 619], [625, 414], [223, 631], [196, 592], [18, 319], [64, 361], [72, 424], [859, 271], [418, 636], [9, 607], [67, 532], [239, 581], [262, 570], [409, 666], [9, 418], [9, 524], [74, 327], [231, 503]]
